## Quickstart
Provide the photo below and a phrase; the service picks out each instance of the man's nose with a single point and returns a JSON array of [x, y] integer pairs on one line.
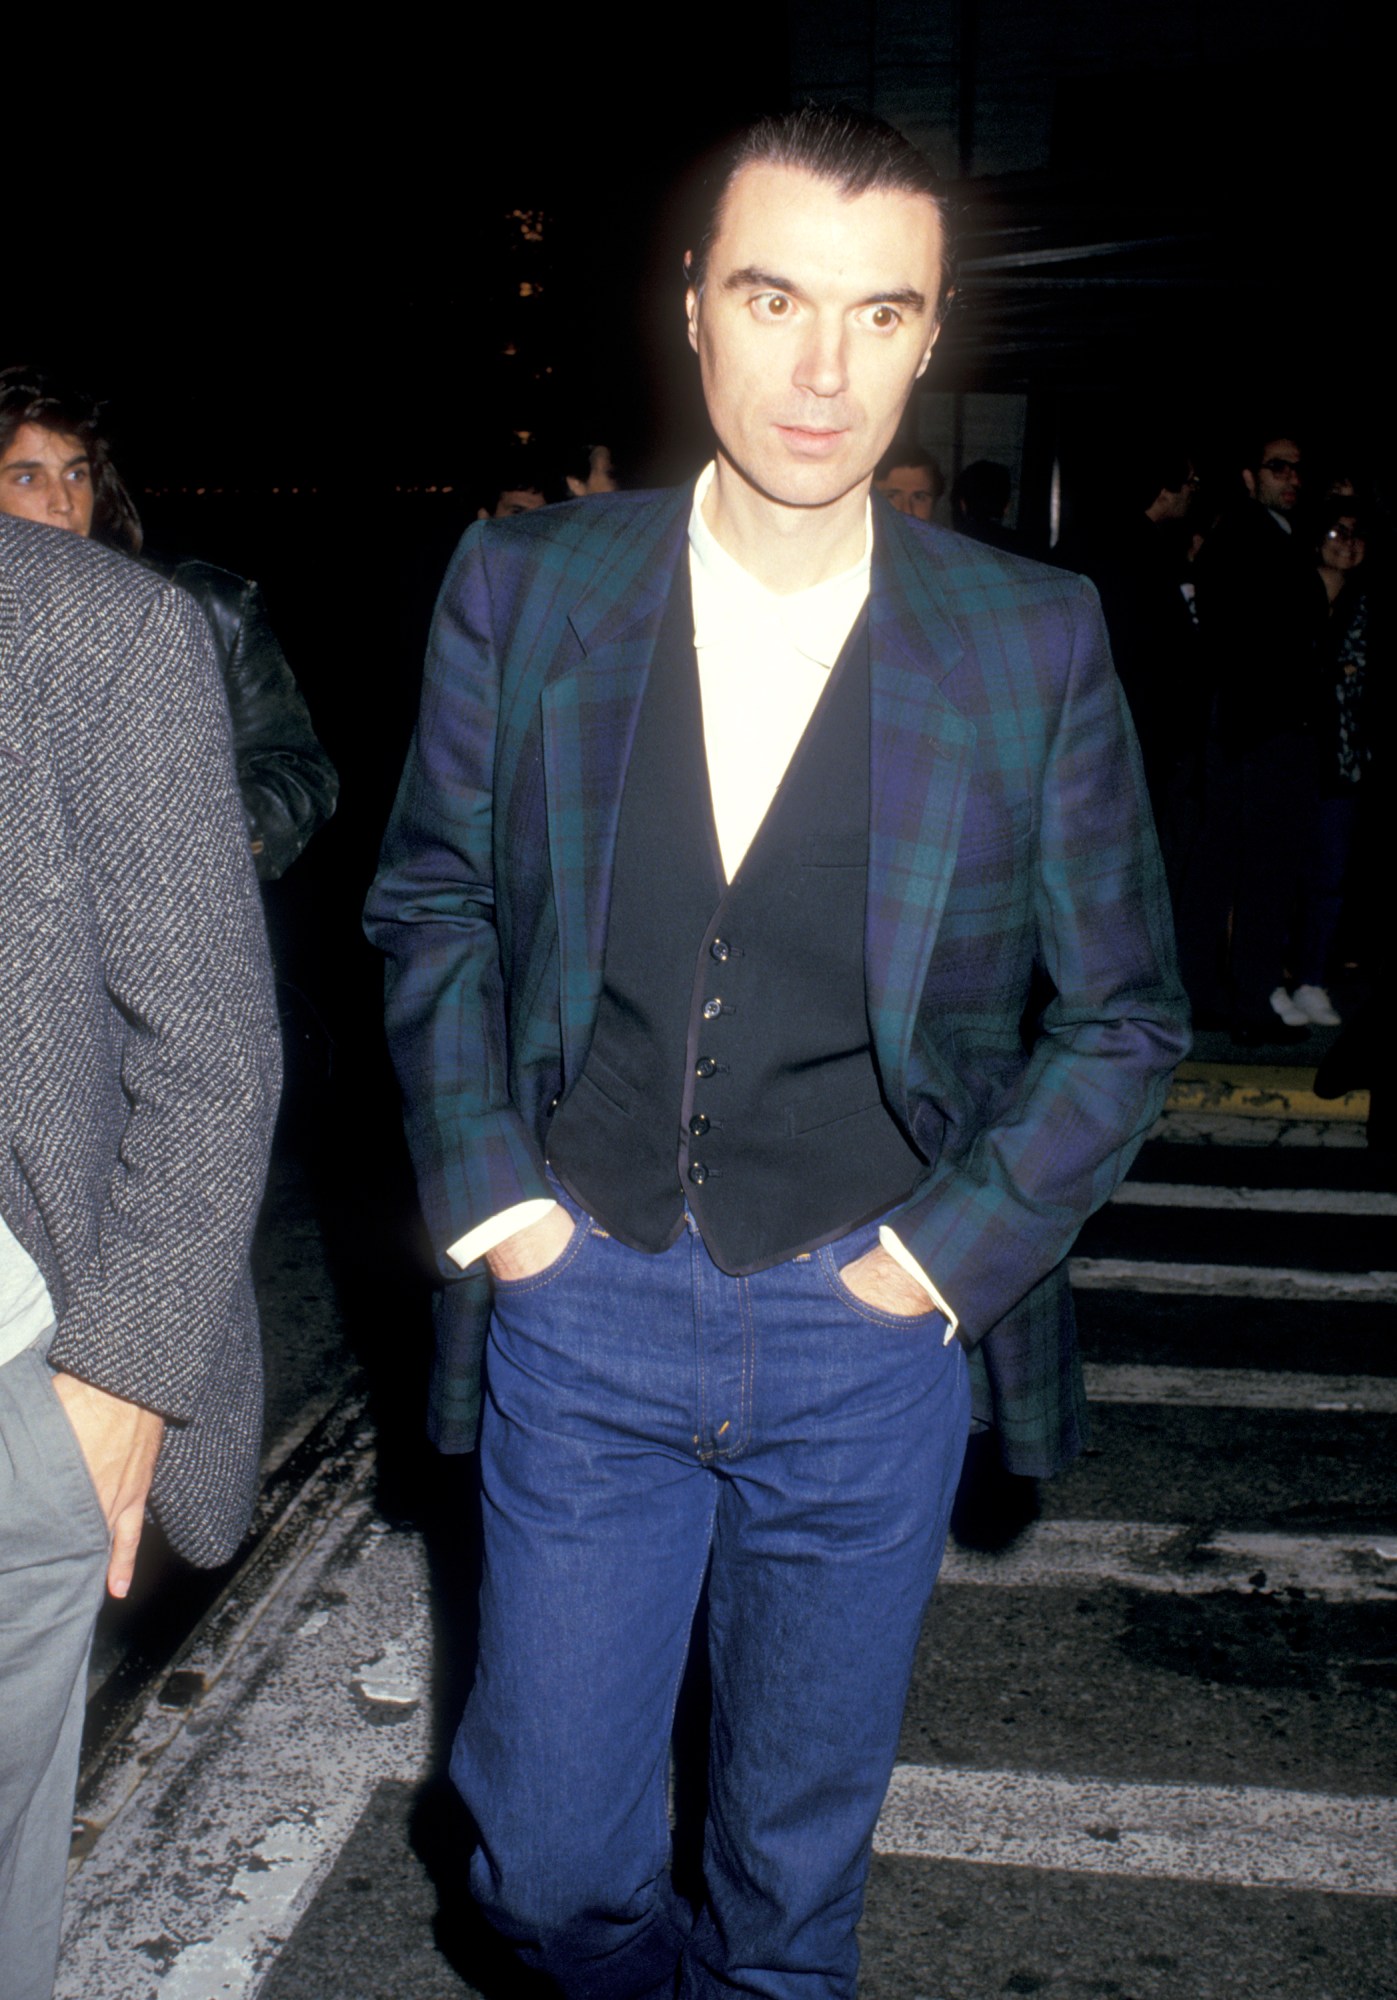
[[823, 363], [60, 499]]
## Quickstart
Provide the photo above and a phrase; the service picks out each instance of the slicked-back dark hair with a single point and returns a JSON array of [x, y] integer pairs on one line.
[[856, 151], [30, 396]]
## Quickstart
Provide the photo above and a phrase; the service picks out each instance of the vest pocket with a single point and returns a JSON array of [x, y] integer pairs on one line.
[[611, 1088]]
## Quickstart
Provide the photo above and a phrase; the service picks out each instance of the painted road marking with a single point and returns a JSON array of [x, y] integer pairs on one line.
[[1260, 1201], [1238, 1281], [1246, 1836], [1240, 1389], [1186, 1561]]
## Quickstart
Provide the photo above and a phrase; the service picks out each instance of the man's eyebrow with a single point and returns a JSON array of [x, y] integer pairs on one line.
[[36, 464], [751, 277], [905, 295], [766, 281]]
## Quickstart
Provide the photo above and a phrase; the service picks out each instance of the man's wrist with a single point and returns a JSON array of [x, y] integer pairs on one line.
[[477, 1243]]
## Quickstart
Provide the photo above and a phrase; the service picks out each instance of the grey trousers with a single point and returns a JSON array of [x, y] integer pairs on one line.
[[53, 1559]]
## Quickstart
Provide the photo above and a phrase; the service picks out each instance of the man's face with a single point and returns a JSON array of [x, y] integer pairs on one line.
[[513, 500], [1276, 481], [910, 489], [815, 320], [47, 476]]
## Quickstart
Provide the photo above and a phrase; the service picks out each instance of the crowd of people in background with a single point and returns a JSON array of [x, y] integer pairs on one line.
[[1247, 630]]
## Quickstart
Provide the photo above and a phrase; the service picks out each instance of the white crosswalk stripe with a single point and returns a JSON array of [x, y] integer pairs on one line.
[[1244, 1835], [1239, 1388], [1259, 1201], [1245, 1281]]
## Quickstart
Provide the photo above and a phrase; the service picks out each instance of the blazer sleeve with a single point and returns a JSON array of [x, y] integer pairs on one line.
[[180, 950], [990, 1225], [433, 912]]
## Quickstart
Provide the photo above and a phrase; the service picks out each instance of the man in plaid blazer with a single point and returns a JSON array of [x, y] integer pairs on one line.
[[780, 973]]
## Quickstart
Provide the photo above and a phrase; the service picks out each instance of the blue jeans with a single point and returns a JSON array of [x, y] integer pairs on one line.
[[652, 1424]]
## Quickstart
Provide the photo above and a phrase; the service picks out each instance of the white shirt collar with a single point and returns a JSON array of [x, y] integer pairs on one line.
[[729, 601]]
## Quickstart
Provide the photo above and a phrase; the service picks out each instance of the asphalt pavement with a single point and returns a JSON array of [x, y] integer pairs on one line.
[[1149, 1747]]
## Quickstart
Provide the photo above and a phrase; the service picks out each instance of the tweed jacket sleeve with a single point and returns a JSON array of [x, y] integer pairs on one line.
[[142, 1055]]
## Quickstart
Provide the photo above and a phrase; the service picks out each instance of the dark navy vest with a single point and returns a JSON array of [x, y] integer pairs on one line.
[[731, 1066]]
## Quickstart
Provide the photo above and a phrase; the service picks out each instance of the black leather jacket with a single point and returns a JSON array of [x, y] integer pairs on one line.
[[289, 786]]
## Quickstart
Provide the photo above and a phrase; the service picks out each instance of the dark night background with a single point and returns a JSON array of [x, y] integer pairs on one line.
[[291, 254]]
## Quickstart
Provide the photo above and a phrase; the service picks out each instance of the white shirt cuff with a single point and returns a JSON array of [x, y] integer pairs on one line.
[[900, 1254], [471, 1247]]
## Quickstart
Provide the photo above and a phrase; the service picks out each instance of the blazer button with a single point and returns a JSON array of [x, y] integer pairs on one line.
[[698, 1173], [706, 1066], [698, 1125], [721, 950], [712, 1009]]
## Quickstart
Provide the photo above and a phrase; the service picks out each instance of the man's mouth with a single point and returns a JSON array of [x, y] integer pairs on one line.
[[816, 443]]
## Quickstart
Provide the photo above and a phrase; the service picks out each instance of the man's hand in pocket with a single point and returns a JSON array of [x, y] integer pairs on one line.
[[532, 1250], [121, 1442], [878, 1280]]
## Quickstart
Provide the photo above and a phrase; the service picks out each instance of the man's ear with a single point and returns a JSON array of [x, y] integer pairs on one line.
[[1249, 481], [691, 300], [482, 513], [576, 487], [922, 364]]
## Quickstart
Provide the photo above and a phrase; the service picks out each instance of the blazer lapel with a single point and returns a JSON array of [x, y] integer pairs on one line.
[[920, 758], [590, 706]]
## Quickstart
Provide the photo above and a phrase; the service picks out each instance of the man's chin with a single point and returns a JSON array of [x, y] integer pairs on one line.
[[803, 484]]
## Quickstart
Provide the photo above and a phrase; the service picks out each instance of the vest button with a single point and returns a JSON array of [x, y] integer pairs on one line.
[[698, 1173], [721, 950], [712, 1009], [706, 1066], [698, 1125]]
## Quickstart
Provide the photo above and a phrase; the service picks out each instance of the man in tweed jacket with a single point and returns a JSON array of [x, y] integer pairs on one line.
[[139, 1068], [780, 973]]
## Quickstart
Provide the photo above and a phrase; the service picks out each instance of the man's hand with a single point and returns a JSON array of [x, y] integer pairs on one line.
[[120, 1442], [531, 1250], [880, 1281]]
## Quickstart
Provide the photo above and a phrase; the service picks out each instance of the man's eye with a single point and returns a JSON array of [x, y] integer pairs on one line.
[[772, 305], [885, 316]]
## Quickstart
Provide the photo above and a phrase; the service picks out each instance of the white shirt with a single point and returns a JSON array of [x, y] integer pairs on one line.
[[26, 1309], [763, 661]]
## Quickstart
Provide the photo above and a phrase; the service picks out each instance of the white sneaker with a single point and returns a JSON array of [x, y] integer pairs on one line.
[[1283, 1004], [1313, 1004]]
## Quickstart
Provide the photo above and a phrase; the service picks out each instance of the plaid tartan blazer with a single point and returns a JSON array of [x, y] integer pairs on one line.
[[1025, 1007]]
